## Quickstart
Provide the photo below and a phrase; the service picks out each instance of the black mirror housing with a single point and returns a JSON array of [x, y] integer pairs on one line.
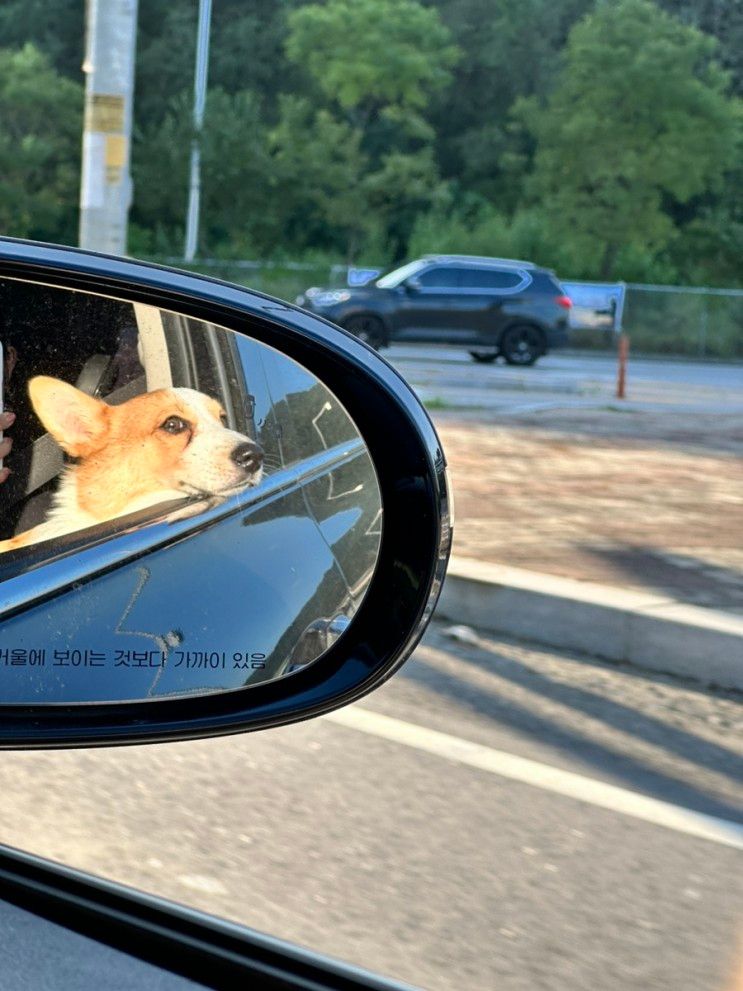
[[402, 588]]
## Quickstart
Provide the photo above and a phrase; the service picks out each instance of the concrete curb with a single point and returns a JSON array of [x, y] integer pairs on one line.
[[615, 624]]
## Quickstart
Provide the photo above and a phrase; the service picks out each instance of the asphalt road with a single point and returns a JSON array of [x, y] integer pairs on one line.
[[446, 376], [402, 835]]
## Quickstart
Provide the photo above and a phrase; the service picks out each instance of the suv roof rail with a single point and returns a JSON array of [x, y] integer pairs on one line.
[[481, 259]]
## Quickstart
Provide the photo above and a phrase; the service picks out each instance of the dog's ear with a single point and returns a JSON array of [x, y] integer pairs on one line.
[[77, 422]]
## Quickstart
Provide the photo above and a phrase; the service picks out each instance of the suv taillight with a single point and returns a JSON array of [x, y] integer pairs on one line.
[[564, 301]]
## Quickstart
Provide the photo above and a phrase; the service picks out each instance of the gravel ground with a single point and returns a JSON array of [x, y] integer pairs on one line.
[[636, 499]]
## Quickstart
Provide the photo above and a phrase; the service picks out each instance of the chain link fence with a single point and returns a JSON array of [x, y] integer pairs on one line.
[[681, 321], [687, 321]]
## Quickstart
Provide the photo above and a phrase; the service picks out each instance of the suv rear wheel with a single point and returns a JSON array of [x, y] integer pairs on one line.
[[368, 329], [522, 345]]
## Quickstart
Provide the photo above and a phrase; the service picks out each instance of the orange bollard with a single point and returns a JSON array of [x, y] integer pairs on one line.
[[622, 369]]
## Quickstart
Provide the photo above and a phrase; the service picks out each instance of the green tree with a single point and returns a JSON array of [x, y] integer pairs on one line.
[[350, 126], [236, 176], [404, 185], [723, 19], [318, 167], [638, 120], [40, 140], [510, 50], [709, 244], [327, 195], [366, 54], [378, 90], [246, 52], [54, 27]]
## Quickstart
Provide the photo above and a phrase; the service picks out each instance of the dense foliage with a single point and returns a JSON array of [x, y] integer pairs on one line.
[[601, 137]]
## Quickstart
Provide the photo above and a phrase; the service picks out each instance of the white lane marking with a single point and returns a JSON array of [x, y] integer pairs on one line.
[[544, 776]]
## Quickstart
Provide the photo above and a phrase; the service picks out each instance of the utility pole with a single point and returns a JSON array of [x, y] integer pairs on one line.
[[199, 101], [106, 185]]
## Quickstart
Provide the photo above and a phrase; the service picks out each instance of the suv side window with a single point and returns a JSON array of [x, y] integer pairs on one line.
[[440, 277], [490, 278]]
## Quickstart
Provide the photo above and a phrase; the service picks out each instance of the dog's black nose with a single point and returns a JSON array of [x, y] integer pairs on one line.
[[248, 456]]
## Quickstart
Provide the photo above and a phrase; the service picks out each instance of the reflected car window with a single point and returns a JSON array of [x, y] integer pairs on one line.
[[295, 414]]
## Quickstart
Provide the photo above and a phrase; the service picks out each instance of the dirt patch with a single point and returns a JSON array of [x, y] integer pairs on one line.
[[642, 500]]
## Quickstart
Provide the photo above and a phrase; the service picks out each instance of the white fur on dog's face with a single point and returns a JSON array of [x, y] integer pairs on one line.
[[206, 464]]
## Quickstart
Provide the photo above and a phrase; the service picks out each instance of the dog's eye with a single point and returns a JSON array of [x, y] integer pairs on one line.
[[174, 425], [223, 419]]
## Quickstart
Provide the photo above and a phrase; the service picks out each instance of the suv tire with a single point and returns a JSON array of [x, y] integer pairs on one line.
[[368, 329], [522, 344]]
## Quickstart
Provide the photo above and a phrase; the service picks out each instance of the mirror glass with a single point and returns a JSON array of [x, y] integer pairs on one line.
[[182, 509]]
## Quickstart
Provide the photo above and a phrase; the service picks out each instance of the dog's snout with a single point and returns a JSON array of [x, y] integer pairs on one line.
[[248, 456]]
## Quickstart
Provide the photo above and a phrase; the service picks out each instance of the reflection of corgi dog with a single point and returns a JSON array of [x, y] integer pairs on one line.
[[160, 446]]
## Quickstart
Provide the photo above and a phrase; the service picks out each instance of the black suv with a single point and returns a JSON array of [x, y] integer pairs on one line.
[[493, 306]]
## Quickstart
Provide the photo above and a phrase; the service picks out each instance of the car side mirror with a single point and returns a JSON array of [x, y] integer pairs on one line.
[[413, 284], [207, 527]]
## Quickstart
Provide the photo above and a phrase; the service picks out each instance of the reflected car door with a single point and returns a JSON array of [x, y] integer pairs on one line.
[[325, 511], [432, 308], [301, 424]]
